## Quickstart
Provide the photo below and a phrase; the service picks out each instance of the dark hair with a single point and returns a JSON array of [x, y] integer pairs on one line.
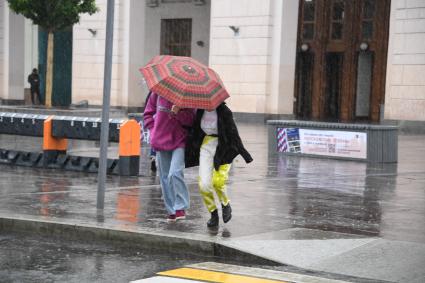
[[34, 70]]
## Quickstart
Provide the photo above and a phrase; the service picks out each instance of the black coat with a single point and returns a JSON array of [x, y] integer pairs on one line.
[[229, 142], [34, 81]]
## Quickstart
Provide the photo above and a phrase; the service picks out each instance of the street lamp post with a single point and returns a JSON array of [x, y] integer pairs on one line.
[[104, 130]]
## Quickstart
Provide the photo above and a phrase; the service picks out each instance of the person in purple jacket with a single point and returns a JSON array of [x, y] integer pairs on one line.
[[168, 126]]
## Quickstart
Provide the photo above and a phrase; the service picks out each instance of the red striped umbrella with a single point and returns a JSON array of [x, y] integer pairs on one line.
[[185, 82]]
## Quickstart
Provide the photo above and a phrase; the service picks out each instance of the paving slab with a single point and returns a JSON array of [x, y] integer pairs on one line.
[[301, 253], [386, 260]]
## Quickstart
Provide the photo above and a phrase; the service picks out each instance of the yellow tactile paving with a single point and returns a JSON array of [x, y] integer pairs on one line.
[[214, 276]]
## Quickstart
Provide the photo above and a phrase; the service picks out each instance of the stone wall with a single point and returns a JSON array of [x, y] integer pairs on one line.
[[257, 64], [88, 57], [242, 58], [405, 85]]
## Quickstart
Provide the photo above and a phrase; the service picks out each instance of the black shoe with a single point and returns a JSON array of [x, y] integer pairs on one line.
[[213, 222], [227, 213], [153, 165]]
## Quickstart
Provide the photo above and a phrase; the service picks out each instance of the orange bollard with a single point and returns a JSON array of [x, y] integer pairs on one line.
[[129, 148], [52, 146]]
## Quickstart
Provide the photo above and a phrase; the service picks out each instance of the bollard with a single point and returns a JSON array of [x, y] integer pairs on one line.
[[129, 148], [52, 146]]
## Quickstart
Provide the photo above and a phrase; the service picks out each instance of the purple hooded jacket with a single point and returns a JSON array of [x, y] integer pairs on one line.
[[167, 130]]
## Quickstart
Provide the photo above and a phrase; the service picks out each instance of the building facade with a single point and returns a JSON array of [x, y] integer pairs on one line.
[[18, 53], [330, 60]]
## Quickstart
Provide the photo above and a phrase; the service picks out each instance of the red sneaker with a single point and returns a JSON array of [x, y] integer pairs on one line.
[[171, 218], [180, 214]]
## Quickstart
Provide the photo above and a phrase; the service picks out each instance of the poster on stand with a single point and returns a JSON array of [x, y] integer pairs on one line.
[[322, 142]]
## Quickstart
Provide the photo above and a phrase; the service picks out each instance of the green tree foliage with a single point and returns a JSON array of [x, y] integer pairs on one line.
[[53, 15]]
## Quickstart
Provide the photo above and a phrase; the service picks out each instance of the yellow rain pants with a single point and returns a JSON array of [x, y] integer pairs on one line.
[[209, 178]]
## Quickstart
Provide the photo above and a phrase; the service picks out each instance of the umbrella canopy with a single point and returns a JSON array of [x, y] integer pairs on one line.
[[185, 82]]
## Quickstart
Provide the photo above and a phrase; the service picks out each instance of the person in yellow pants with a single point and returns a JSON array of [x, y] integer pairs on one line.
[[213, 144]]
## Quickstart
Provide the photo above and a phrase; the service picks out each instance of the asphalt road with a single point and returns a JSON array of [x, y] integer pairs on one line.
[[41, 259]]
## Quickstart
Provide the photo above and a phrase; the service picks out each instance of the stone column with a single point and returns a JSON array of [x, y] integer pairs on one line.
[[405, 84], [16, 54], [283, 57], [88, 56], [135, 53], [4, 49]]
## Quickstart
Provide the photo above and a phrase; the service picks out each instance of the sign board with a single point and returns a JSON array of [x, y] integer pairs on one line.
[[322, 142]]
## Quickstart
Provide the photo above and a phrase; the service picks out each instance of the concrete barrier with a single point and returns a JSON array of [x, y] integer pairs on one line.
[[84, 128], [22, 124], [56, 130]]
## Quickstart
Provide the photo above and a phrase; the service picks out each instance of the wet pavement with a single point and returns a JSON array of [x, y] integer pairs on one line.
[[37, 259], [319, 214]]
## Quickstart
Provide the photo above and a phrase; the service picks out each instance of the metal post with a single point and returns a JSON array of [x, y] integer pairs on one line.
[[104, 130]]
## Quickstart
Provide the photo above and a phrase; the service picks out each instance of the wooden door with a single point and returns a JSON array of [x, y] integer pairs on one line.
[[341, 59]]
